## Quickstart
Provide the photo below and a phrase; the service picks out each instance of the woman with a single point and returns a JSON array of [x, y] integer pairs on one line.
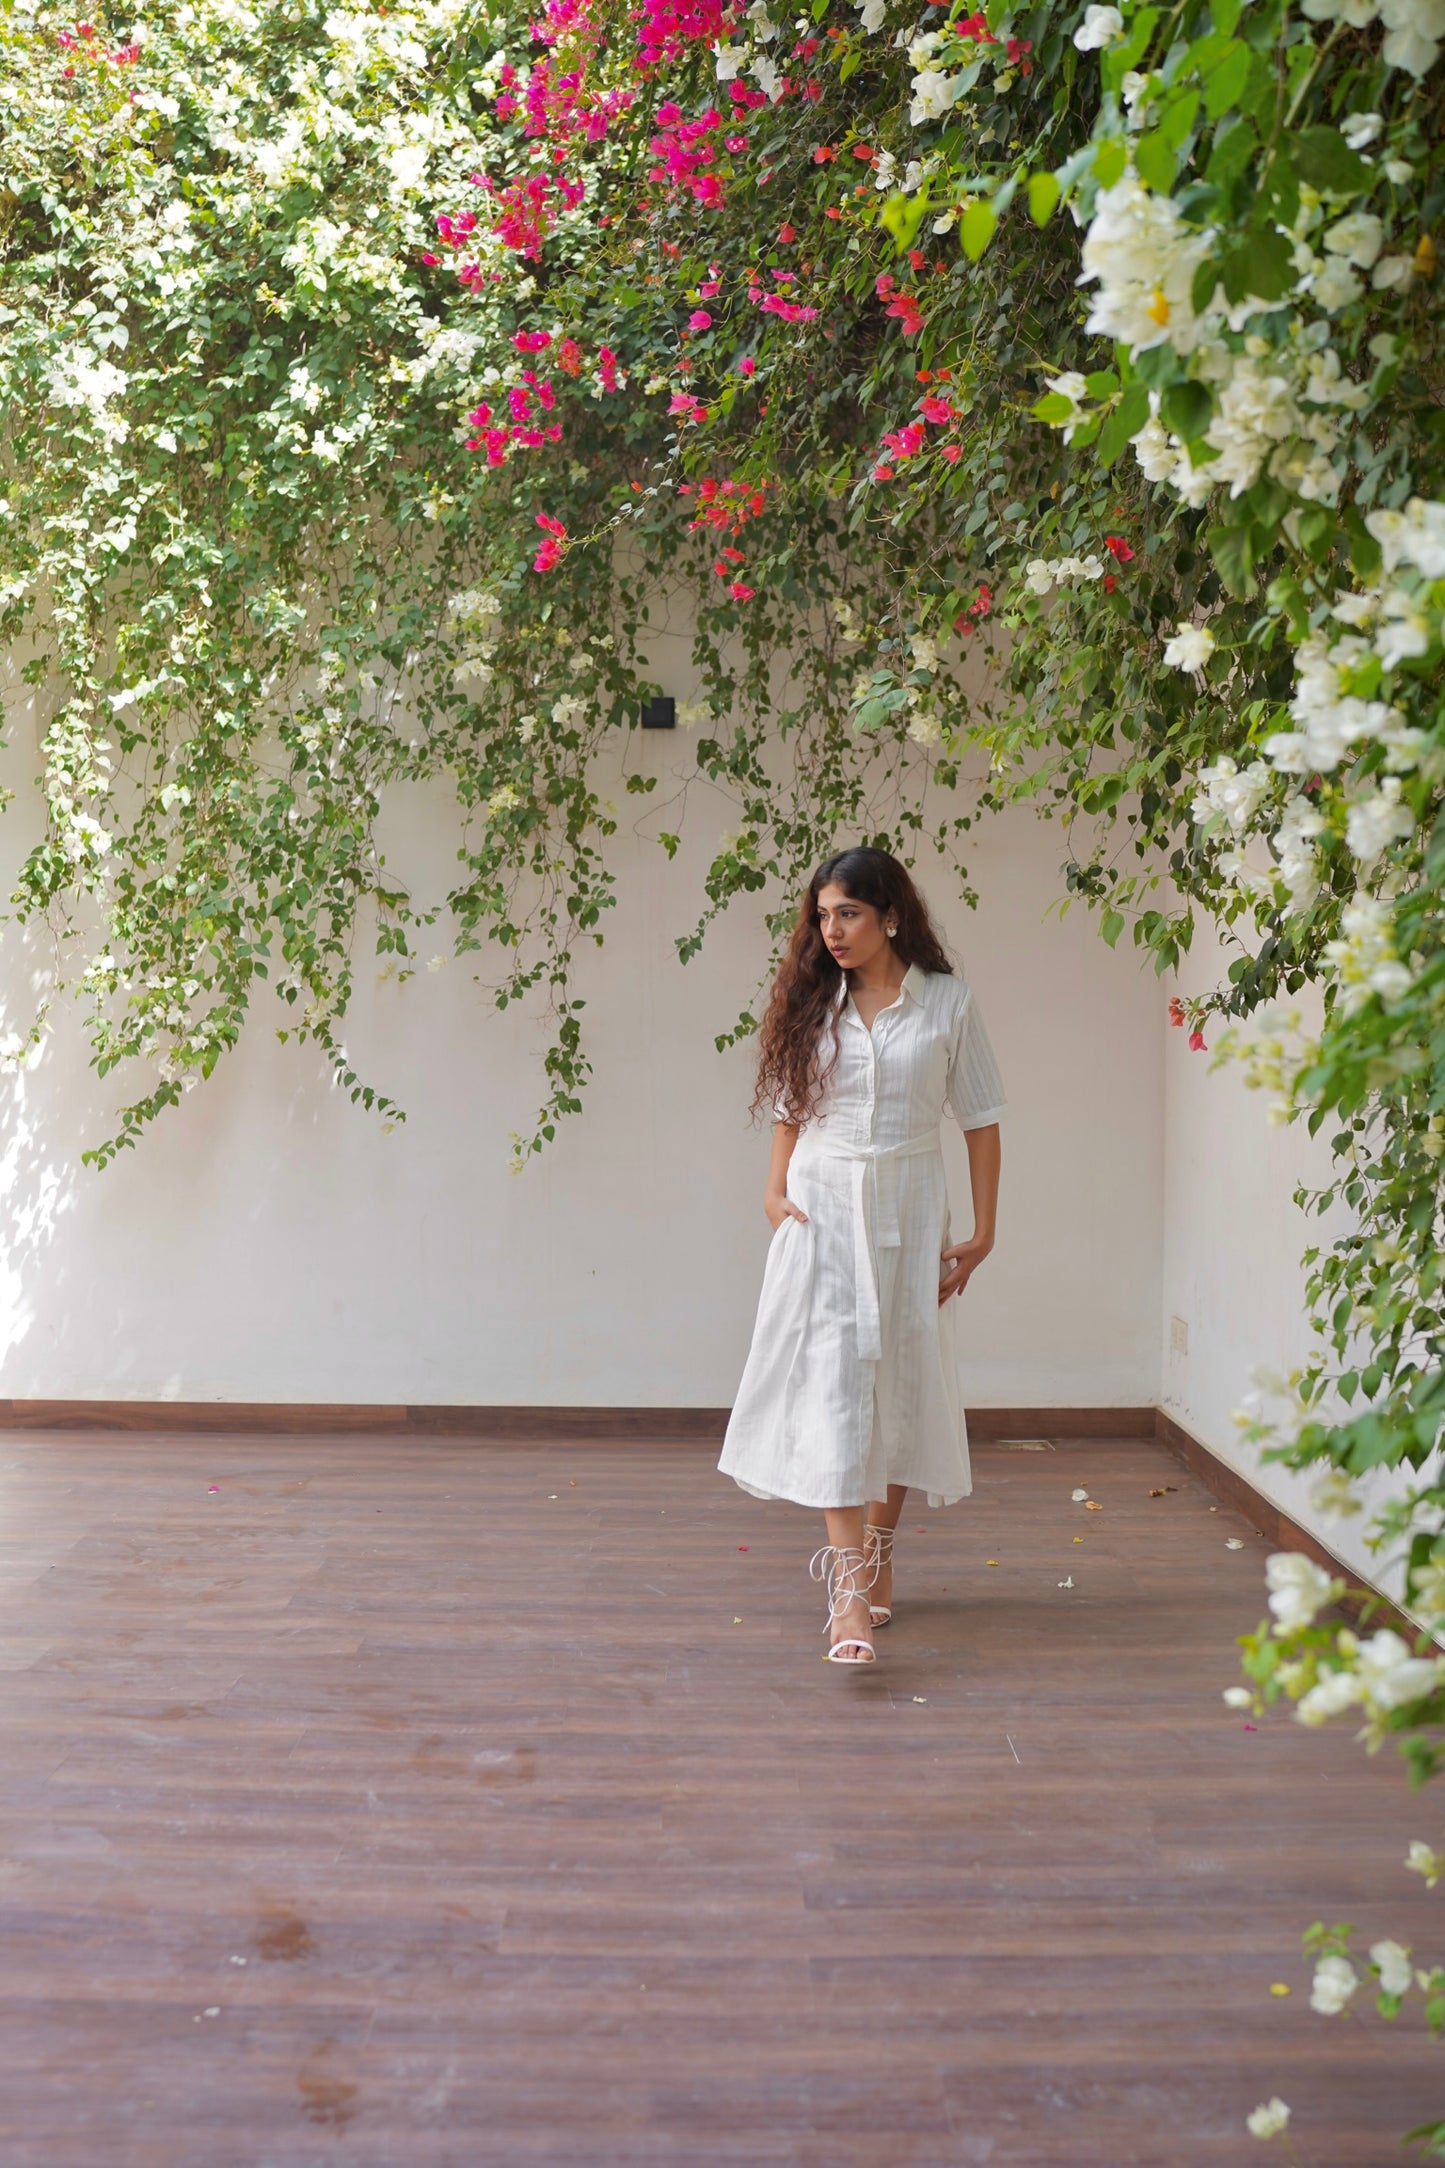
[[850, 1390]]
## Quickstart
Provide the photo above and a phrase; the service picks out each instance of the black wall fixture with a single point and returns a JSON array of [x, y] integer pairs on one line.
[[659, 714]]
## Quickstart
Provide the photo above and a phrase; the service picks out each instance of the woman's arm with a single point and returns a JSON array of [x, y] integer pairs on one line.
[[984, 1158], [776, 1202]]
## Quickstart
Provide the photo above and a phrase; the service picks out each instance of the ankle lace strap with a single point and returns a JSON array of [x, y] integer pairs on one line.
[[841, 1565], [880, 1540]]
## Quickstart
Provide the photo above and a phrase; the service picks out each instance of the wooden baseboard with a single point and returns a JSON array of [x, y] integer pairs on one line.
[[673, 1426]]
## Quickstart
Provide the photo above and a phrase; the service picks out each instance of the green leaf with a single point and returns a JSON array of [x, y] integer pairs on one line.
[[1226, 79], [1233, 555], [1111, 925], [1234, 147], [1177, 118], [1226, 14], [1125, 421], [1043, 197], [851, 61], [1187, 408], [1110, 159], [976, 229], [1201, 291], [1053, 407], [903, 215], [1322, 157], [1102, 384], [1155, 162]]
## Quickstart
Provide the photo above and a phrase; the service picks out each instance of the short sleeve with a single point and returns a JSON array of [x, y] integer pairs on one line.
[[975, 1088]]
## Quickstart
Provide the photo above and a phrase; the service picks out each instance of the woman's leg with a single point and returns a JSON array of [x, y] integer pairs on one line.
[[880, 1595], [845, 1533]]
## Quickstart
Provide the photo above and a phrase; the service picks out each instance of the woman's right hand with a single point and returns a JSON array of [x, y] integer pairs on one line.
[[779, 1206]]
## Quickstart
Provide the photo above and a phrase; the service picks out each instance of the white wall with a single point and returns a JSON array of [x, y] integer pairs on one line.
[[1232, 1243], [269, 1242]]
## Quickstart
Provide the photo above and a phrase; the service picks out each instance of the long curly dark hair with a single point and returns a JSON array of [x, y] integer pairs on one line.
[[799, 1035]]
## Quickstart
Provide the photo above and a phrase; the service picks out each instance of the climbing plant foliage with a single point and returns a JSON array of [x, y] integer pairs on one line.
[[370, 374]]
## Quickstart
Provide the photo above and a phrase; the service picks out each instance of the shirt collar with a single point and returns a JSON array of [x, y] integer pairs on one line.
[[915, 979]]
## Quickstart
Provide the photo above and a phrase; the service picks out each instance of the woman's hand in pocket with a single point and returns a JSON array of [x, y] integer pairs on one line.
[[965, 1257], [779, 1206]]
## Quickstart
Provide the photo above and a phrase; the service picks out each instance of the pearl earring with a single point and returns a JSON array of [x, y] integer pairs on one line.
[[890, 931]]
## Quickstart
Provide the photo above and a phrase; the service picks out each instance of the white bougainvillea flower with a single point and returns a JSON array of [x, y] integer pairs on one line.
[[1391, 1676], [1101, 26], [1377, 820], [1358, 238], [1299, 1589], [1268, 2119], [1363, 957], [1143, 258], [1238, 1697], [1424, 1859], [1190, 648], [1415, 30], [1360, 129], [1335, 1981], [1415, 536], [1392, 1960], [1223, 788]]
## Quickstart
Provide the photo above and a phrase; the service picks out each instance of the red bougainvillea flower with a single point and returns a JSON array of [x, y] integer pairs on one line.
[[882, 473], [1018, 55], [740, 591], [975, 27], [1110, 583], [787, 235], [917, 258], [1176, 1009], [569, 357], [824, 155], [952, 453], [1118, 548], [1196, 1042], [550, 552]]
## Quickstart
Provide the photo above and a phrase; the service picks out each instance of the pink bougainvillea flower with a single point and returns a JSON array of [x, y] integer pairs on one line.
[[550, 552], [934, 409], [710, 289], [740, 591], [699, 321], [747, 366], [787, 235], [792, 312], [531, 342], [1196, 1042], [952, 453]]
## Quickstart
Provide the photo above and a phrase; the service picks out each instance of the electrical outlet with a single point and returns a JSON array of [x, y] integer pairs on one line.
[[1178, 1336]]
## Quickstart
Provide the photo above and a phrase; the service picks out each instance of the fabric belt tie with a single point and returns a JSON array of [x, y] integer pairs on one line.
[[874, 1179]]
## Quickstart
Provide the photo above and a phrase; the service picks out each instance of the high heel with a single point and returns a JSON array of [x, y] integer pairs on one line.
[[843, 1566], [879, 1554]]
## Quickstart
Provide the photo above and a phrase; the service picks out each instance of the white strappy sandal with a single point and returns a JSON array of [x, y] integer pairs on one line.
[[880, 1554], [843, 1566]]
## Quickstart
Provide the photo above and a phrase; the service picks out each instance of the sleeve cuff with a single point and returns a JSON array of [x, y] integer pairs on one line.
[[982, 1121]]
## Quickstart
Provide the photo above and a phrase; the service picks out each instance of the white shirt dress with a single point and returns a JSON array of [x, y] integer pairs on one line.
[[851, 1381]]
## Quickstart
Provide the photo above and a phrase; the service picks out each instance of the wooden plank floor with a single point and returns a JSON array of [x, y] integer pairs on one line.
[[421, 1804]]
